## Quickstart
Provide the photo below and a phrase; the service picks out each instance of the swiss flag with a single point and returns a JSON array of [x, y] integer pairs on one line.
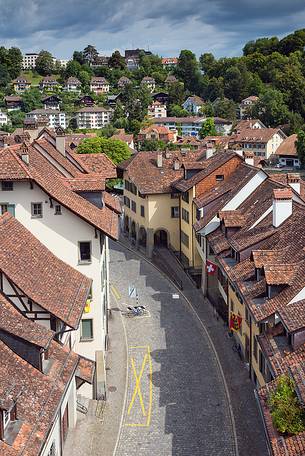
[[211, 267]]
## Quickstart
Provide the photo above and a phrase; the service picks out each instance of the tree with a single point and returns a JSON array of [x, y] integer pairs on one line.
[[117, 61], [225, 108], [176, 93], [208, 128], [287, 414], [300, 146], [207, 62], [115, 149], [4, 76], [90, 54], [17, 118], [263, 45], [78, 56], [44, 63], [73, 68], [152, 144], [14, 62], [271, 108], [177, 111], [188, 70], [31, 99]]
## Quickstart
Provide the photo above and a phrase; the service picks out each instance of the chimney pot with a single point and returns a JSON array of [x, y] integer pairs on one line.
[[159, 160], [176, 164], [294, 180], [282, 205]]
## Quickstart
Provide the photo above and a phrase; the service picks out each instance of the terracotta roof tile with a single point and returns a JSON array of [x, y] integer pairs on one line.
[[40, 275]]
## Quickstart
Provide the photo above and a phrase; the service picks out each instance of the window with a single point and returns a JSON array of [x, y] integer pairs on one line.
[[232, 305], [185, 215], [142, 211], [7, 186], [133, 206], [247, 316], [126, 201], [262, 363], [255, 348], [219, 177], [52, 451], [58, 209], [36, 209], [85, 252], [184, 239], [86, 329], [5, 207], [185, 197], [175, 212]]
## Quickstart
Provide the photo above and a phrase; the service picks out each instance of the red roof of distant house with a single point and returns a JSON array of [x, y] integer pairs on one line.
[[288, 146]]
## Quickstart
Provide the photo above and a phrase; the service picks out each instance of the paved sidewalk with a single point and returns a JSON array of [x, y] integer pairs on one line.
[[97, 435], [249, 426]]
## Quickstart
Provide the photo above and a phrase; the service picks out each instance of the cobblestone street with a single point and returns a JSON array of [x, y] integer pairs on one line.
[[176, 401]]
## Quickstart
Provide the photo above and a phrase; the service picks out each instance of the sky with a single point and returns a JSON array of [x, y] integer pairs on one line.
[[164, 27]]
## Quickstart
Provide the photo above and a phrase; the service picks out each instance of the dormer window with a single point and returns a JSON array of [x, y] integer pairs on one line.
[[219, 177]]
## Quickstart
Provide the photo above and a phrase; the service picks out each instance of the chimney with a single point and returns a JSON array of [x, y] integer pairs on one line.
[[24, 153], [210, 150], [167, 153], [249, 158], [176, 164], [159, 159], [60, 141], [282, 205], [294, 180]]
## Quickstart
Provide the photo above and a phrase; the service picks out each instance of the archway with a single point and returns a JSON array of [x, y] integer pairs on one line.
[[142, 236], [133, 230], [160, 238], [126, 224]]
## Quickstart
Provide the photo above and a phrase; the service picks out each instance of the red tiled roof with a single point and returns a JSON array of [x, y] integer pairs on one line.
[[287, 147], [38, 395], [40, 275], [13, 322]]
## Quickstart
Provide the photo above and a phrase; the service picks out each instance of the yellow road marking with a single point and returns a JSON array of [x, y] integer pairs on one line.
[[150, 387], [115, 292], [137, 390]]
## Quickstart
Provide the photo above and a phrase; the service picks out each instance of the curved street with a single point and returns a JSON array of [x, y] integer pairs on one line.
[[176, 401]]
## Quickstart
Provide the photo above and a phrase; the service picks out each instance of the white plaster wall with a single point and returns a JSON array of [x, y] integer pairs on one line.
[[53, 436]]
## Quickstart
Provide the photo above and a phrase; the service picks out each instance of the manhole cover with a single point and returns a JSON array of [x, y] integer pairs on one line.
[[112, 389]]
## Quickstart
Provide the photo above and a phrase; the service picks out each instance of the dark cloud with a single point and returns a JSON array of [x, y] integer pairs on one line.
[[222, 25]]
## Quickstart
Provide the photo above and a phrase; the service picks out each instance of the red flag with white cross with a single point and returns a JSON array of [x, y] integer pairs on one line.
[[211, 267]]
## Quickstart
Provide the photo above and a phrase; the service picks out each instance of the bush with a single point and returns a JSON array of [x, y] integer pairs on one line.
[[287, 414]]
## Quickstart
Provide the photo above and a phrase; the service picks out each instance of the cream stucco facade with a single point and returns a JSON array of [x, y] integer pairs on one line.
[[145, 216]]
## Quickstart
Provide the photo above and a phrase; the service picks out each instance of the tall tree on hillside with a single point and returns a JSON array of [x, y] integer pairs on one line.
[[73, 68], [44, 63], [188, 70], [300, 146], [15, 61], [31, 99], [271, 108], [90, 54], [78, 56], [117, 61]]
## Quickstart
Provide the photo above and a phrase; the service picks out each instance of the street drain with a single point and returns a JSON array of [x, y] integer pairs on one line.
[[136, 311]]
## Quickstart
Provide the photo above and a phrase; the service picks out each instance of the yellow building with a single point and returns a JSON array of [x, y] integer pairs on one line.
[[151, 204]]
